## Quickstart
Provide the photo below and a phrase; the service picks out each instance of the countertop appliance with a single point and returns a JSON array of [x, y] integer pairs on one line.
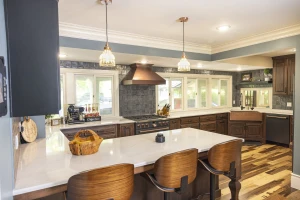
[[75, 115], [278, 128], [149, 123]]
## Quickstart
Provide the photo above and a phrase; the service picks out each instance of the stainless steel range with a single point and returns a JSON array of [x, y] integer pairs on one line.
[[149, 123]]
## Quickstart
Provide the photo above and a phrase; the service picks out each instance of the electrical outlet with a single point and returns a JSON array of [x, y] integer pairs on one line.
[[16, 142], [233, 102], [289, 104]]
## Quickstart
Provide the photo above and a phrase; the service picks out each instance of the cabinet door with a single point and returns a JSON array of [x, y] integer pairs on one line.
[[237, 129], [33, 47], [280, 76], [208, 126], [174, 124], [222, 127], [291, 75], [126, 130], [196, 126], [254, 130]]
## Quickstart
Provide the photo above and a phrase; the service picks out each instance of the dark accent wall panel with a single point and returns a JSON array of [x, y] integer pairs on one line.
[[33, 46]]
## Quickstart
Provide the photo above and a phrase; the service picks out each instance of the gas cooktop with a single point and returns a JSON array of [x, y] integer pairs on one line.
[[140, 118]]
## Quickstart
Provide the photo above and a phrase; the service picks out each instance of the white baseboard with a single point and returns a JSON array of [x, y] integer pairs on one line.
[[295, 181]]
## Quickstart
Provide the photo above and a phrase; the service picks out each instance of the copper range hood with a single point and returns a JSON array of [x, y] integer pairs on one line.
[[142, 74]]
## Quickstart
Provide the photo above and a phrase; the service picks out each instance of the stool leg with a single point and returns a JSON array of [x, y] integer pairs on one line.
[[166, 196], [212, 186]]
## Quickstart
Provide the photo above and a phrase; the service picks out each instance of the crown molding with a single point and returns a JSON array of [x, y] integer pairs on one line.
[[91, 33], [260, 38]]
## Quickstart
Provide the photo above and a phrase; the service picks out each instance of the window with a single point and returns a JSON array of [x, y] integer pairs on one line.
[[202, 91], [219, 92], [97, 89], [191, 91], [176, 94], [258, 97], [84, 89], [163, 94]]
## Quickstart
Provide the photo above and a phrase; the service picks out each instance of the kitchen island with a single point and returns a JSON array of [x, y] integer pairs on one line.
[[46, 164]]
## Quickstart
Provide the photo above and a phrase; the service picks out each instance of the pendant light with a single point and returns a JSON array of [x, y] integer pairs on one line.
[[107, 59], [183, 65]]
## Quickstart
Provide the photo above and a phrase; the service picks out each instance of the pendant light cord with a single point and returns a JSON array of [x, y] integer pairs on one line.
[[183, 35], [106, 22]]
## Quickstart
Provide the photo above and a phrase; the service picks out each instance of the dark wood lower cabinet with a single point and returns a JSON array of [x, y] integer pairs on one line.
[[125, 130], [291, 131], [195, 125], [222, 127], [208, 126], [237, 129], [106, 132], [253, 131], [174, 124]]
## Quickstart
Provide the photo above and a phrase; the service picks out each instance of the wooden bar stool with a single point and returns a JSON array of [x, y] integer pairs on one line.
[[225, 159], [173, 172], [108, 183]]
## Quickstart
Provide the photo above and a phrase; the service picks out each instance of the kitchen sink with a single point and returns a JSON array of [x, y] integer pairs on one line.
[[246, 116]]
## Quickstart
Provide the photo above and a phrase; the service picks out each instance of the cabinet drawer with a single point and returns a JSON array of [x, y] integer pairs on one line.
[[207, 118], [195, 125], [174, 124], [189, 120], [208, 126], [222, 116], [106, 131]]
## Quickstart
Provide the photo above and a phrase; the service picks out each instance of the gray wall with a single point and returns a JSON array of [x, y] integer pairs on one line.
[[6, 144], [140, 99]]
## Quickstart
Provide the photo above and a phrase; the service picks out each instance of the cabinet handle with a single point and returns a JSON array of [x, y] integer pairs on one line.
[[276, 117]]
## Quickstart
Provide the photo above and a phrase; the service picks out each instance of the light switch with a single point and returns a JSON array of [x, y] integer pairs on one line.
[[289, 104]]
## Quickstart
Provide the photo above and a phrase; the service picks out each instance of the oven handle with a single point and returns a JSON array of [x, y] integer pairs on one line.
[[154, 130]]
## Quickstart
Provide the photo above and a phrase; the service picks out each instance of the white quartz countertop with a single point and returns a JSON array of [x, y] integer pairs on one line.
[[226, 110], [48, 162]]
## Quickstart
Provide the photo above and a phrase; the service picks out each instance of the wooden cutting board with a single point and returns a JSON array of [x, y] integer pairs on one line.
[[29, 132]]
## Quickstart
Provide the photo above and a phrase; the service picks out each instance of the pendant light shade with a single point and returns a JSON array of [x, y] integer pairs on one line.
[[107, 58], [184, 64]]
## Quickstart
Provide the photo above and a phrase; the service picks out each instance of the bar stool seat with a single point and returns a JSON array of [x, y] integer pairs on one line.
[[109, 183], [173, 172], [222, 160]]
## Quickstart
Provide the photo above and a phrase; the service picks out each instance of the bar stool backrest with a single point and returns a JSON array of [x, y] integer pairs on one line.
[[169, 169], [113, 182], [222, 155]]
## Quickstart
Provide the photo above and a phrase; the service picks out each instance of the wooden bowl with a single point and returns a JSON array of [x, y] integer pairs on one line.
[[87, 145]]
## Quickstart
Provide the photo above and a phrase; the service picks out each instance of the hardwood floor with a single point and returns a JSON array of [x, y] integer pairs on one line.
[[266, 174]]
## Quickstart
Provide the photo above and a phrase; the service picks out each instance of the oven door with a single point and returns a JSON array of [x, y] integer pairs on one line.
[[152, 130]]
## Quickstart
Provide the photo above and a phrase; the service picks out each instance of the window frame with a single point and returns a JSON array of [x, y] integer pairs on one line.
[[208, 96], [70, 89]]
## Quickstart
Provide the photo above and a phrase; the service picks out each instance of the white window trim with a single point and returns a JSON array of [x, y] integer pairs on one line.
[[198, 76], [70, 85], [258, 89], [64, 93]]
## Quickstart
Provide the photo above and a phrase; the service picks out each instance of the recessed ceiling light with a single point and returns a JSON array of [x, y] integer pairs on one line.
[[223, 28], [239, 69], [144, 61], [199, 65], [294, 50], [62, 55]]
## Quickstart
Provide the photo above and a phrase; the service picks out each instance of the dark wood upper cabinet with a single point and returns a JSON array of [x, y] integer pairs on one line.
[[33, 47], [283, 74]]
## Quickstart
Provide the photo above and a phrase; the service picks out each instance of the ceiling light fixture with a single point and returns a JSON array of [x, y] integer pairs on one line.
[[61, 55], [107, 59], [239, 68], [223, 28], [183, 65], [144, 61], [199, 65], [294, 50]]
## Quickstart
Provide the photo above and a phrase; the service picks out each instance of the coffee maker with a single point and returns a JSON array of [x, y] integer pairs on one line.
[[75, 114]]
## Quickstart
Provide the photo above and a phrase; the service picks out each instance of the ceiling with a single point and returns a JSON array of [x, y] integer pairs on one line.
[[85, 55], [157, 18]]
